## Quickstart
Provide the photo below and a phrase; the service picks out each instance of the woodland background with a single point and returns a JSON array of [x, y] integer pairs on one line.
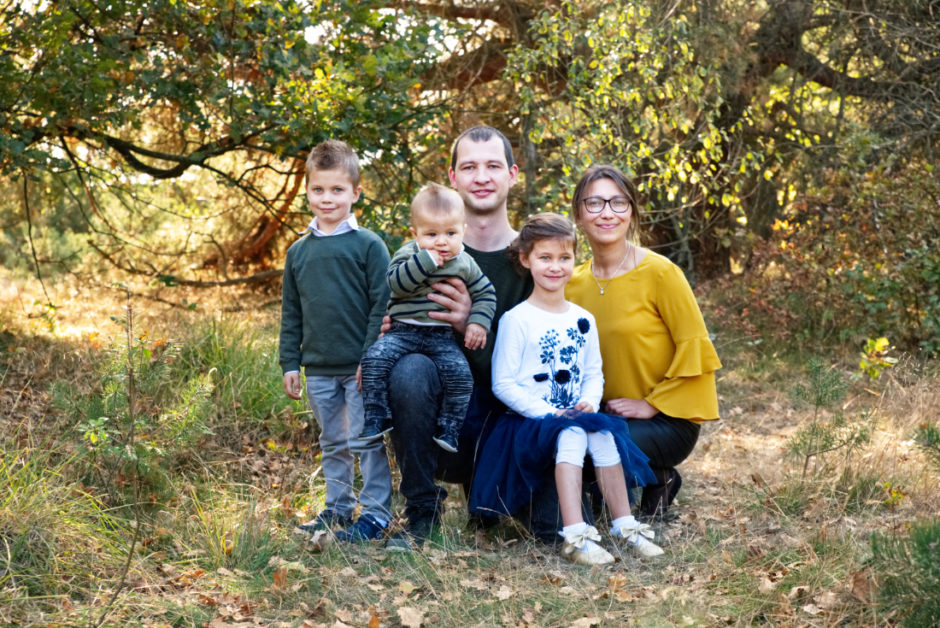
[[151, 178]]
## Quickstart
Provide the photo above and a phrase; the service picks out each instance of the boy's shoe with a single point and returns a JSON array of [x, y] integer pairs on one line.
[[374, 430], [366, 528], [419, 527], [581, 548], [328, 519], [639, 538], [446, 438]]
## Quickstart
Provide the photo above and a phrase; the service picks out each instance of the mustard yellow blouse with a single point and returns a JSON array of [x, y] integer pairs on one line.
[[653, 338]]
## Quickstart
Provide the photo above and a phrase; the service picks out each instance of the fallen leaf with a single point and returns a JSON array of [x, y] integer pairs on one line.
[[504, 593], [861, 586], [406, 587], [585, 622], [827, 600], [766, 585], [374, 621], [410, 617], [280, 578], [812, 609]]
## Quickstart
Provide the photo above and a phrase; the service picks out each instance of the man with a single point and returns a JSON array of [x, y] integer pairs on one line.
[[482, 171]]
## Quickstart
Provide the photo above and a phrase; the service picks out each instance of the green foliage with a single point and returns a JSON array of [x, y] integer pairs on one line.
[[908, 570], [827, 431], [139, 421], [57, 539], [928, 439]]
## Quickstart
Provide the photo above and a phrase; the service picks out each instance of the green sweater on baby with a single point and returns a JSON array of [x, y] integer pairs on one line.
[[411, 274], [333, 298]]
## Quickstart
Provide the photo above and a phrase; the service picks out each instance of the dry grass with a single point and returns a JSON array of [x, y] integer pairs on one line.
[[754, 541]]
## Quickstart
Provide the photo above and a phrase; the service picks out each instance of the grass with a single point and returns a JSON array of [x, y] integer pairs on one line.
[[756, 540]]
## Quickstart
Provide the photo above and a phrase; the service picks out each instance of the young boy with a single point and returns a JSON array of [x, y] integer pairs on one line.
[[437, 224], [333, 299]]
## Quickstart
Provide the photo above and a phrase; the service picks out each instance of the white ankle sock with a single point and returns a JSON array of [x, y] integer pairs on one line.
[[617, 524], [579, 528]]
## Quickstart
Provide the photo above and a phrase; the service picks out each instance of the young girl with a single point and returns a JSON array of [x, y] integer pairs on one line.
[[547, 370]]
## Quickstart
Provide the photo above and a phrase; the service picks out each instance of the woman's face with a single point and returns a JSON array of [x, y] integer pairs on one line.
[[606, 226]]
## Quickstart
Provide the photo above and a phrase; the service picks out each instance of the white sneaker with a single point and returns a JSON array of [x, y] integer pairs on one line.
[[582, 550], [638, 538]]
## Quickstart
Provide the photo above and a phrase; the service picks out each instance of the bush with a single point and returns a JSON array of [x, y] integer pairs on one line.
[[909, 573]]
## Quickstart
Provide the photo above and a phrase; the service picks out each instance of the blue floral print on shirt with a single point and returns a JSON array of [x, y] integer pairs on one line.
[[563, 374]]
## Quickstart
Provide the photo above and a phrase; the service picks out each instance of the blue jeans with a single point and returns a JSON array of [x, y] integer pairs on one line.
[[438, 343], [338, 409]]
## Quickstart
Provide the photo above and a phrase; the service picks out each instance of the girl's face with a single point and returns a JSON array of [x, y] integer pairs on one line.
[[551, 263], [606, 226]]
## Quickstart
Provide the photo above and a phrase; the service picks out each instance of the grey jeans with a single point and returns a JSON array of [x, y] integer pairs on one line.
[[337, 405]]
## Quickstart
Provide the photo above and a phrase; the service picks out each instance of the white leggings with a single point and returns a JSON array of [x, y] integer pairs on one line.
[[574, 443]]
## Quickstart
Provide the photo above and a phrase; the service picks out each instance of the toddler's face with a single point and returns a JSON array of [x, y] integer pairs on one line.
[[440, 232], [331, 195]]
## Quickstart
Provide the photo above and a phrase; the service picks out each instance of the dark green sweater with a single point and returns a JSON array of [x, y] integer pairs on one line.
[[333, 298]]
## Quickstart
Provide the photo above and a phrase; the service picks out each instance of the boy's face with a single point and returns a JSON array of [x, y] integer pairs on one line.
[[331, 195], [441, 232], [481, 175]]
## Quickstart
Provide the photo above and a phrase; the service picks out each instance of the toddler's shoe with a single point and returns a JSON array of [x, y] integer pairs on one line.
[[446, 438], [638, 537], [374, 430], [328, 519], [580, 548], [366, 528]]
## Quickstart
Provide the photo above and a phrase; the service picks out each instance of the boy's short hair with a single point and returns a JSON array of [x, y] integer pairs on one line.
[[334, 155], [482, 133], [434, 197]]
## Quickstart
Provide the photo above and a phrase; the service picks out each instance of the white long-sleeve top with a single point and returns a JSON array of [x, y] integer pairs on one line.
[[546, 361]]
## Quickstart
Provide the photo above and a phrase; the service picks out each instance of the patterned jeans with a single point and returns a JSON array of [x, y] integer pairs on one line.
[[436, 342]]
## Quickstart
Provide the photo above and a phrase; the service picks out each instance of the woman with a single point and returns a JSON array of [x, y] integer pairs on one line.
[[659, 364]]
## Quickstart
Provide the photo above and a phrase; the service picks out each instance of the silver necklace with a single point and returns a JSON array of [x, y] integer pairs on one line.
[[612, 275]]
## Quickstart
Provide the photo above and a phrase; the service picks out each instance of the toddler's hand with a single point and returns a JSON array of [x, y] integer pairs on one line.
[[436, 256], [475, 336]]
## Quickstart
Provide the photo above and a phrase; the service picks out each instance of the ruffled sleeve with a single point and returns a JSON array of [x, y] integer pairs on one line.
[[687, 389]]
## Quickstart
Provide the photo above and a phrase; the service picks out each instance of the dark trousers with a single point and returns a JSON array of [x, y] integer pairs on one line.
[[438, 343], [414, 395]]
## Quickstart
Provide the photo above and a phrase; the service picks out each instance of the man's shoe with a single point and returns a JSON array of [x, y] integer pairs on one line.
[[375, 430], [328, 519], [415, 533], [366, 528]]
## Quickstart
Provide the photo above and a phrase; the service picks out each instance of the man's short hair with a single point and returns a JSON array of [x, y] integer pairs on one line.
[[482, 134], [334, 155]]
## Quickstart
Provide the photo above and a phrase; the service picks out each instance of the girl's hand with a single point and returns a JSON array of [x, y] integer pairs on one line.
[[631, 408], [475, 336], [583, 406]]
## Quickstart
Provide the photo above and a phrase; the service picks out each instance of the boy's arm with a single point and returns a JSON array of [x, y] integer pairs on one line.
[[291, 333], [483, 294], [409, 270], [377, 263]]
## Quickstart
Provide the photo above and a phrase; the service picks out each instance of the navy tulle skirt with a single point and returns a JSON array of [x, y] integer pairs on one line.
[[519, 454]]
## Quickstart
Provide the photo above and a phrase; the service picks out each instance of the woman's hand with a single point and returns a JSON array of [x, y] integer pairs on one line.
[[631, 408], [452, 294]]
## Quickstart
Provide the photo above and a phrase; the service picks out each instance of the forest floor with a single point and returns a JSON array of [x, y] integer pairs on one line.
[[758, 536]]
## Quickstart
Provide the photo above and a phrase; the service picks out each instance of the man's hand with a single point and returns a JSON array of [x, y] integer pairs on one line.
[[452, 294], [292, 385], [475, 336], [359, 378], [632, 408]]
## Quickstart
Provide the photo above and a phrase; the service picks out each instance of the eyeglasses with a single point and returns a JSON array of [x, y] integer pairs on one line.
[[595, 204]]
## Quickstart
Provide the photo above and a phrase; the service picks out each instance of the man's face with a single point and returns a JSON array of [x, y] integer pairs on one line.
[[481, 175]]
